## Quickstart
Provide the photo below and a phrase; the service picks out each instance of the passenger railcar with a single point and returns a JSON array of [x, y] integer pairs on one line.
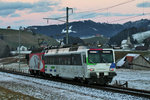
[[83, 63]]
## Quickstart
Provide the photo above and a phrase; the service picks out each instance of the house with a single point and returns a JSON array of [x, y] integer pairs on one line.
[[133, 61], [22, 48], [126, 44]]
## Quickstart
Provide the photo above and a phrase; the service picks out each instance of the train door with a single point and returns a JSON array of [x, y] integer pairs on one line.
[[84, 67]]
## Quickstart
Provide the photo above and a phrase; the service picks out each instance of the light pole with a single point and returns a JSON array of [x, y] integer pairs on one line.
[[19, 45], [67, 22]]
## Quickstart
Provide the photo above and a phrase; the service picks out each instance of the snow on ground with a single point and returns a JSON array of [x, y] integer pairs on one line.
[[138, 79], [49, 90], [44, 89], [15, 66]]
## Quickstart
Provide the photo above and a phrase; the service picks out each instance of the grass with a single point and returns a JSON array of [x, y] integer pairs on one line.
[[11, 38], [6, 94]]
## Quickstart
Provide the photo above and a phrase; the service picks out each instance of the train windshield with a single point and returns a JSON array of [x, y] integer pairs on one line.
[[100, 56]]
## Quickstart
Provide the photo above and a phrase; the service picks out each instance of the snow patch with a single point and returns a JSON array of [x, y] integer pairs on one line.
[[87, 37], [94, 29], [141, 36], [69, 30]]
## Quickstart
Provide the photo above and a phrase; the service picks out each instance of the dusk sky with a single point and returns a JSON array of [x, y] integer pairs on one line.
[[25, 13]]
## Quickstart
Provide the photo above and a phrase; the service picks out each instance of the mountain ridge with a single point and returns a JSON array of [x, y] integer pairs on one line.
[[87, 28]]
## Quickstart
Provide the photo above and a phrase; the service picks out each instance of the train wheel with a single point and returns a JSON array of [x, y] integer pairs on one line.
[[31, 72], [88, 81], [51, 76], [81, 80]]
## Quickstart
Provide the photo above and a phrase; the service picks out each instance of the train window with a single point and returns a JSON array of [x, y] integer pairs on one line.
[[51, 60], [93, 57], [60, 60], [56, 62], [107, 56], [76, 59], [103, 56]]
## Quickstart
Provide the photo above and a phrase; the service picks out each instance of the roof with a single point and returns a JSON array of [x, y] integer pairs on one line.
[[66, 50], [129, 57], [124, 42], [75, 49]]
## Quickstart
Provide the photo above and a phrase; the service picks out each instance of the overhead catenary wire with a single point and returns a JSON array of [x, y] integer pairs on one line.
[[93, 12], [130, 17], [102, 9], [54, 19], [89, 11], [58, 18], [139, 15]]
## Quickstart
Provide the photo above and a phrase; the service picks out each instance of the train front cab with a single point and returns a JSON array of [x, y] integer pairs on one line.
[[100, 66]]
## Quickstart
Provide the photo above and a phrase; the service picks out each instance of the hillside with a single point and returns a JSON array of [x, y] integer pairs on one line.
[[87, 28], [11, 37], [136, 35], [141, 36], [79, 29], [96, 41]]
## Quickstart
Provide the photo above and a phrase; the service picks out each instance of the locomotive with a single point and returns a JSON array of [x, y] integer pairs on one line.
[[91, 65]]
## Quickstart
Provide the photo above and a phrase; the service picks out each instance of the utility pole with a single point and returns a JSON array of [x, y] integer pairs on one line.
[[67, 22], [67, 18]]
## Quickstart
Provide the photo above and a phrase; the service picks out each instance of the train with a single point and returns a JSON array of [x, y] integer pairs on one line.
[[89, 65]]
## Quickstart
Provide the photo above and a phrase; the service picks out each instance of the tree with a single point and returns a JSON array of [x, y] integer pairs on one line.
[[73, 40], [1, 36], [146, 42], [5, 52]]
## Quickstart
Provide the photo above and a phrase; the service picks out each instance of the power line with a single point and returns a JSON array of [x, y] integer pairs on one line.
[[58, 19], [89, 11], [131, 17], [102, 9]]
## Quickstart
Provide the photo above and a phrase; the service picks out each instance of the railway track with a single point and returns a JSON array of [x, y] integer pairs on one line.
[[129, 91], [110, 88]]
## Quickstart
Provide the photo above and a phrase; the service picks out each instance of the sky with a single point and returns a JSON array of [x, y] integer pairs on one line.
[[16, 13]]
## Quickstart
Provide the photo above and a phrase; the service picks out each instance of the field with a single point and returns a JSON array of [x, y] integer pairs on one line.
[[11, 37], [6, 94]]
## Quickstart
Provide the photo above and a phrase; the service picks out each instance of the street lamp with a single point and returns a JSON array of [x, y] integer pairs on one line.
[[67, 22], [19, 45]]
